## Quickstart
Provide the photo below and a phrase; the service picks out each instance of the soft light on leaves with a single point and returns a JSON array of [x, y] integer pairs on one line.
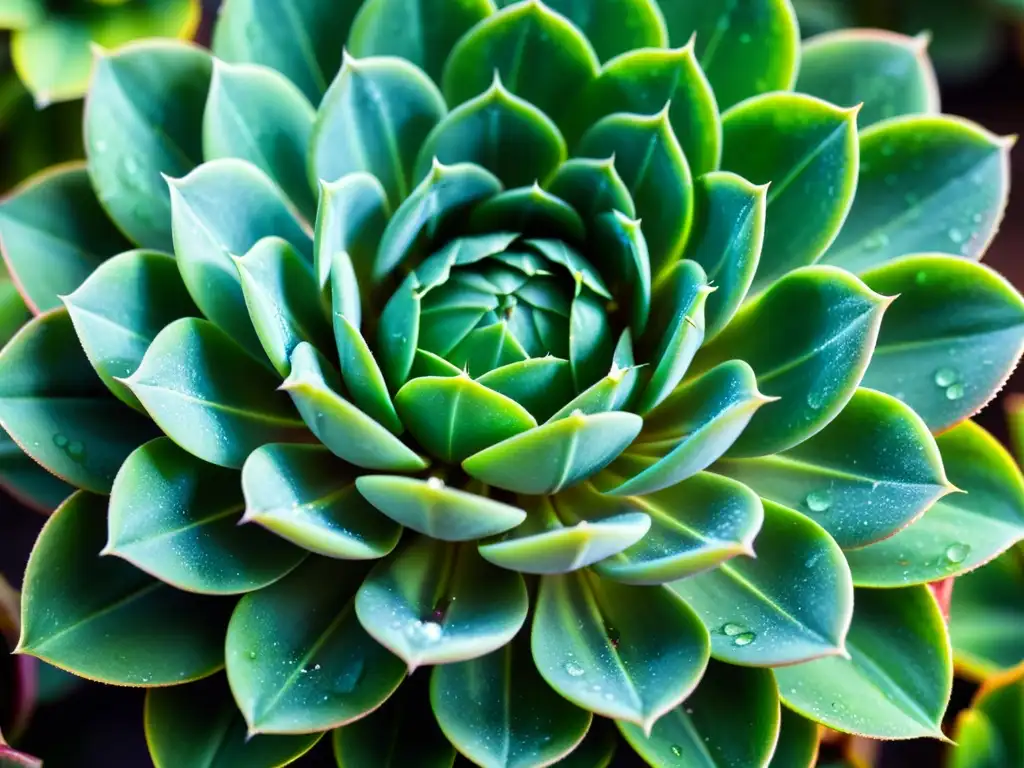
[[950, 340], [576, 528], [210, 397], [116, 335], [988, 734], [308, 496], [539, 384], [499, 712], [144, 121], [695, 525], [675, 333], [106, 620], [359, 369], [897, 681], [602, 645], [643, 82], [455, 417], [876, 456], [927, 183], [539, 54], [303, 41], [812, 359], [498, 131], [254, 113], [220, 210], [297, 658], [53, 405], [652, 166], [55, 234], [745, 48], [732, 719], [791, 603], [961, 531], [395, 735], [592, 187], [420, 31], [176, 518], [446, 190], [985, 616], [728, 232], [615, 26], [437, 510], [806, 149], [277, 283], [556, 455], [199, 725], [374, 119], [435, 603], [348, 432], [888, 73], [690, 430], [351, 217]]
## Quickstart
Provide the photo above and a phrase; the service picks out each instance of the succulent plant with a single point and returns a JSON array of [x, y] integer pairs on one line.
[[499, 343], [52, 40]]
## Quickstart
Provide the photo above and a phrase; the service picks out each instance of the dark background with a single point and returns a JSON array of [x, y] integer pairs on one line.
[[101, 726]]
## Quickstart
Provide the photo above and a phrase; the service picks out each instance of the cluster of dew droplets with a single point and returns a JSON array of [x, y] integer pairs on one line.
[[74, 449], [740, 635], [948, 379]]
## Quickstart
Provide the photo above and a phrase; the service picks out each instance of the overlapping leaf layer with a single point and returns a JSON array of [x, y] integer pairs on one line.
[[562, 349]]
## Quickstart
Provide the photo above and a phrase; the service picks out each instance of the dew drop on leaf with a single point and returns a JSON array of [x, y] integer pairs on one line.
[[819, 501], [957, 553], [955, 392], [572, 669], [745, 639], [252, 655], [60, 441], [677, 750], [731, 629], [946, 376], [956, 235]]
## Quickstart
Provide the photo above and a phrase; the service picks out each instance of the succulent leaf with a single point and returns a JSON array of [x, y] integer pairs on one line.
[[899, 662]]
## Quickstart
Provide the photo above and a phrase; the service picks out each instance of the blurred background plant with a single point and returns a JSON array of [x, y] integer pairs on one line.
[[969, 37]]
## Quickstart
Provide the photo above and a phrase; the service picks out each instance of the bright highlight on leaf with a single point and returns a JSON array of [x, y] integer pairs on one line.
[[586, 354]]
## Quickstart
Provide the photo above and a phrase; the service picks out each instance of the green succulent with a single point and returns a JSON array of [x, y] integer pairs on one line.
[[499, 341], [968, 36], [52, 40]]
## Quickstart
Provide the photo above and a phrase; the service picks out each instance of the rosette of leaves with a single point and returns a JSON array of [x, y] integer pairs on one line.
[[51, 41], [485, 347]]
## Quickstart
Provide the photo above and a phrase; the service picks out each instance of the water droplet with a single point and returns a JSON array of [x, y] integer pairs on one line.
[[819, 501], [572, 669], [677, 750], [745, 639], [731, 629], [946, 376], [977, 218], [316, 667], [252, 654], [957, 553], [76, 450], [609, 697], [956, 235], [955, 392], [60, 441], [425, 631]]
